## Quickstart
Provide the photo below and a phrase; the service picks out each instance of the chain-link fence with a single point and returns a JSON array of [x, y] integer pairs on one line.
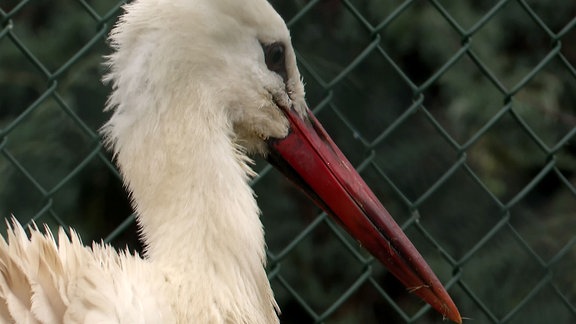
[[460, 115]]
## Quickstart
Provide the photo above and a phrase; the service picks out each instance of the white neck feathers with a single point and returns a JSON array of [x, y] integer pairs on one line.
[[198, 216]]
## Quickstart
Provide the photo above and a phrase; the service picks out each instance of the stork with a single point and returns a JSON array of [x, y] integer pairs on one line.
[[198, 86]]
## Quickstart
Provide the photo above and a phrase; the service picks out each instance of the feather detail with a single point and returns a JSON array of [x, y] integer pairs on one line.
[[45, 282]]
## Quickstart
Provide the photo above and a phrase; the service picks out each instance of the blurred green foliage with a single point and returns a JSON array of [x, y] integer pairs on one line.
[[461, 116]]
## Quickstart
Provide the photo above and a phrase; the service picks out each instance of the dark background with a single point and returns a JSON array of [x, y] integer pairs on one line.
[[460, 115]]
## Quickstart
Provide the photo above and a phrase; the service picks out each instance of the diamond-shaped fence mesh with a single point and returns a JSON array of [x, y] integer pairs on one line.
[[460, 115]]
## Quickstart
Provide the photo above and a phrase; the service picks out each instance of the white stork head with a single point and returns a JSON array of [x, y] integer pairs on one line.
[[199, 73], [240, 50]]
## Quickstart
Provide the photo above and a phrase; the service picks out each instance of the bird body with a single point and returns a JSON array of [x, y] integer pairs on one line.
[[70, 283], [197, 85], [173, 141], [189, 182]]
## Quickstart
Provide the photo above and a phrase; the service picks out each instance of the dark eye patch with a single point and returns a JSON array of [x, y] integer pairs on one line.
[[275, 57]]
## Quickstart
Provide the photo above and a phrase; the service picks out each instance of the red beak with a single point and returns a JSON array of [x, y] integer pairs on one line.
[[309, 157]]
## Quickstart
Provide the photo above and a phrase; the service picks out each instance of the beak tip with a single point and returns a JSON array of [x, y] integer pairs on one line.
[[450, 311], [438, 298], [454, 316]]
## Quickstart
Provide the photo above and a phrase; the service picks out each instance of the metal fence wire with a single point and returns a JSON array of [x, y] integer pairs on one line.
[[460, 115]]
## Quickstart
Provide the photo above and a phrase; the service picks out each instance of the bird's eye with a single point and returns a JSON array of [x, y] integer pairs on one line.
[[274, 55]]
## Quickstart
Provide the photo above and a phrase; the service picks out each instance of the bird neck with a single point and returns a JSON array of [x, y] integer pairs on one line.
[[198, 215]]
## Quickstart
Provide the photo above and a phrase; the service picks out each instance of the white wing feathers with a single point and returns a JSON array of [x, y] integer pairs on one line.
[[49, 283]]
